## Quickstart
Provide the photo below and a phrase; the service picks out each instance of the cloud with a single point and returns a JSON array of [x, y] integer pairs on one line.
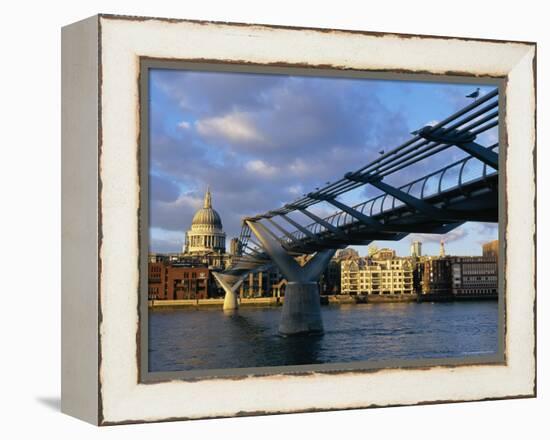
[[488, 138], [233, 127], [296, 190], [185, 125], [174, 215], [457, 234], [161, 241], [160, 245], [209, 93], [163, 190], [487, 231], [258, 166], [261, 141]]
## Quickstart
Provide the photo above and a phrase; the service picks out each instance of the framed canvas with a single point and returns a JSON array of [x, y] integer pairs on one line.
[[262, 219]]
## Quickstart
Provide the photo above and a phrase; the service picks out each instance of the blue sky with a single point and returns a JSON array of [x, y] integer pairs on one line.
[[260, 141]]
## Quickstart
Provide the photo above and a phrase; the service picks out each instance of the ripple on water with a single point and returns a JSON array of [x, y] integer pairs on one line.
[[207, 339]]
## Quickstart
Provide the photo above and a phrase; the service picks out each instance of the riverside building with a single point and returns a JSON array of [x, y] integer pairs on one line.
[[474, 277], [188, 274], [262, 283], [173, 281], [416, 249], [490, 249], [332, 277], [459, 278], [436, 277], [380, 274]]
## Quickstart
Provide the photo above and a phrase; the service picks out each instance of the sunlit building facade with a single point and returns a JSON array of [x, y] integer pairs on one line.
[[377, 275], [206, 233], [416, 249], [490, 249]]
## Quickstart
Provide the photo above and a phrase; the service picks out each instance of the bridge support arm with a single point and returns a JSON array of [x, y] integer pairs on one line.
[[418, 204], [479, 152], [281, 229], [230, 287], [300, 228], [324, 223], [374, 224], [290, 268], [463, 140], [301, 307]]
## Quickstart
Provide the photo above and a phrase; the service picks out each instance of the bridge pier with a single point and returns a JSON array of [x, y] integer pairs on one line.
[[301, 312], [230, 301]]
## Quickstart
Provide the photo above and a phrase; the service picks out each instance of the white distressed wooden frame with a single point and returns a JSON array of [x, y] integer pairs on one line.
[[100, 224]]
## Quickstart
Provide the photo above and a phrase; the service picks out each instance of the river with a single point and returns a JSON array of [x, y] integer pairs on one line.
[[187, 339]]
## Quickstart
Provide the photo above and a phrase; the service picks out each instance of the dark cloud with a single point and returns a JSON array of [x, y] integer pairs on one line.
[[307, 119], [260, 142], [173, 216], [207, 93], [163, 190], [166, 245]]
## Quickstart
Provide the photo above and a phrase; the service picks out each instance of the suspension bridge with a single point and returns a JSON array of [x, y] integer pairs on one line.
[[435, 203]]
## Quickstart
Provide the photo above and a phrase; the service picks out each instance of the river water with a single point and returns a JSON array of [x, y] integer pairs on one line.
[[185, 339]]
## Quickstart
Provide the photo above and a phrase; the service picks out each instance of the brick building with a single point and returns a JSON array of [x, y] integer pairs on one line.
[[169, 281], [157, 276]]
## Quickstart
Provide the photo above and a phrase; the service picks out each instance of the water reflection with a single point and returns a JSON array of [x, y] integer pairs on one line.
[[206, 339], [298, 350]]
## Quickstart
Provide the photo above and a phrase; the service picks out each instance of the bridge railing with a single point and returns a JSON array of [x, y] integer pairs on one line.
[[385, 202]]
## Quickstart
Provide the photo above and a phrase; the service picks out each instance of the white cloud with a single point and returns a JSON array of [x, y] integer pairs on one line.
[[486, 229], [492, 136], [184, 103], [184, 125], [184, 202], [296, 190], [454, 235], [260, 167], [236, 127], [298, 167]]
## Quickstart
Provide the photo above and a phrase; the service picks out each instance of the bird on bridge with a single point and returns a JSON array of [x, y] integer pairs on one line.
[[423, 130], [474, 95]]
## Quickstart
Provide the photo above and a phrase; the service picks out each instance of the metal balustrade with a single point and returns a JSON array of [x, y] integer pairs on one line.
[[341, 218]]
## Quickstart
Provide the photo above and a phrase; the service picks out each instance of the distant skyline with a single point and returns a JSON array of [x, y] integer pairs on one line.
[[260, 141]]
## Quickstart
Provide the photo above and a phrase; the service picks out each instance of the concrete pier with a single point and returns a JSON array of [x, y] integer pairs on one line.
[[302, 304], [230, 301], [301, 309]]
